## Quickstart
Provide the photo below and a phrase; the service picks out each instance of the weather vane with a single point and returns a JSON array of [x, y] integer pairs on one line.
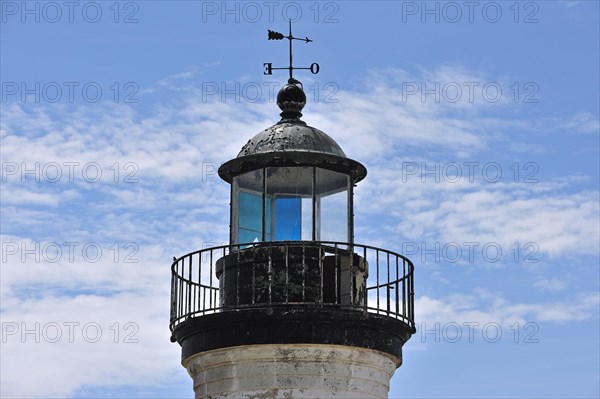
[[314, 67]]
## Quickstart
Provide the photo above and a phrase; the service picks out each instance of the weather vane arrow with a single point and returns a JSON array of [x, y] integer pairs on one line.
[[279, 36], [314, 67]]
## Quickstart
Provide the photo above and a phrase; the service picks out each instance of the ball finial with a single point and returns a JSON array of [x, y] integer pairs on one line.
[[291, 100]]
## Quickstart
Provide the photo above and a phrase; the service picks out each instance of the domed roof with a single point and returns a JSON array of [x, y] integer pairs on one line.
[[291, 136], [291, 142]]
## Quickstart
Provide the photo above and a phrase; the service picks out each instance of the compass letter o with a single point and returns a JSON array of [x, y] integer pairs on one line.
[[314, 68], [268, 68]]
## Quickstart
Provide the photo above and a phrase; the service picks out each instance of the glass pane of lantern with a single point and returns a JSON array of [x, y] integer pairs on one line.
[[250, 217], [246, 223], [332, 199], [288, 217], [289, 193], [306, 232]]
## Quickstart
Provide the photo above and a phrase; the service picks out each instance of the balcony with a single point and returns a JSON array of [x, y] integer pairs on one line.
[[332, 277]]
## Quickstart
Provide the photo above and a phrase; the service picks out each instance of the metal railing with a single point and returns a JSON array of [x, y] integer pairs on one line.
[[265, 275]]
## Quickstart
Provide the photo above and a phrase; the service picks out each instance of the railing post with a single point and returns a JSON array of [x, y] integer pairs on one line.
[[180, 289], [404, 277], [397, 289], [337, 270], [366, 301], [412, 296], [377, 267], [303, 272], [253, 282], [287, 273], [223, 282], [188, 286], [270, 272], [237, 279], [321, 296], [174, 275], [387, 286], [210, 280]]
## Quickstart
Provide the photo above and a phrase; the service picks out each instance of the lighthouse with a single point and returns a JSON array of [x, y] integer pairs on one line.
[[292, 307]]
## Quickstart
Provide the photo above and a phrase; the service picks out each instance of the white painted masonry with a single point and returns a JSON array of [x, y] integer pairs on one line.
[[291, 371]]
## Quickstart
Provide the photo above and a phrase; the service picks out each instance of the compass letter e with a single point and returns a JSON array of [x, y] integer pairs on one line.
[[268, 68]]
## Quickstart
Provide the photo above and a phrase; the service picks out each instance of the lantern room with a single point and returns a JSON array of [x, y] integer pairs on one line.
[[291, 182]]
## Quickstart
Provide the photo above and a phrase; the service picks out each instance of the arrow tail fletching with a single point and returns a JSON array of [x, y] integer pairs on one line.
[[275, 35]]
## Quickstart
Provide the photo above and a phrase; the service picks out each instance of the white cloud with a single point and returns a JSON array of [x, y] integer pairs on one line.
[[483, 309], [179, 204], [552, 284], [583, 122], [545, 214], [85, 340], [24, 197]]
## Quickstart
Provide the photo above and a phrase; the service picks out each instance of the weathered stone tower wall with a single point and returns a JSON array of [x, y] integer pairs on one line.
[[291, 371]]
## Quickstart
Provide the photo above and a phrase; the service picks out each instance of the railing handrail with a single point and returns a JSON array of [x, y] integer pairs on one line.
[[295, 242]]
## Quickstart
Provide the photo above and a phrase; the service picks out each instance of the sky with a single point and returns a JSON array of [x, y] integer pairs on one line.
[[478, 123]]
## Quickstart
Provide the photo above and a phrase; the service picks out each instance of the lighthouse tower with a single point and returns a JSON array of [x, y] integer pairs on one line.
[[292, 307]]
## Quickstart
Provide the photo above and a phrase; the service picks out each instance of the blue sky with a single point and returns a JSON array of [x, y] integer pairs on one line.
[[479, 128]]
